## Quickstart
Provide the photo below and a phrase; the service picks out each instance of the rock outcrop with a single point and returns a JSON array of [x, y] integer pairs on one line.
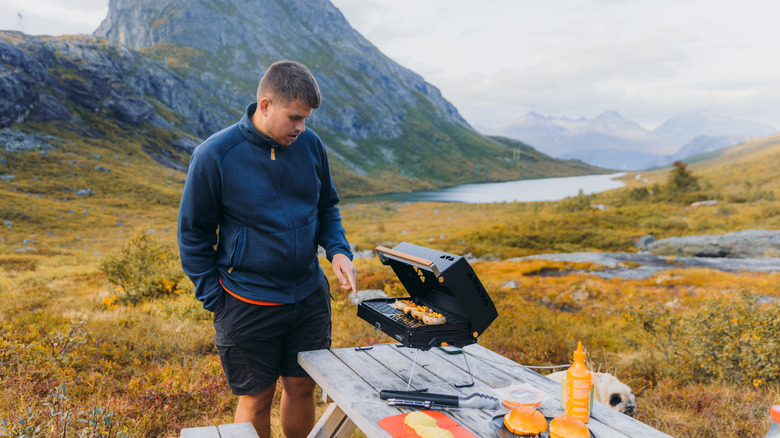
[[640, 266], [739, 244], [46, 78]]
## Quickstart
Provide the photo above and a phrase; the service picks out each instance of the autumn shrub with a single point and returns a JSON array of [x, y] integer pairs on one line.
[[638, 194], [581, 202], [728, 340], [58, 417], [143, 268], [681, 179]]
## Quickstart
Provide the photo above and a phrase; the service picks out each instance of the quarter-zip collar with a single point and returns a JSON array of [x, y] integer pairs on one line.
[[250, 133]]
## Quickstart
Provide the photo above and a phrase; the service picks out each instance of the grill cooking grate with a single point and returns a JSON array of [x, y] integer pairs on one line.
[[409, 321]]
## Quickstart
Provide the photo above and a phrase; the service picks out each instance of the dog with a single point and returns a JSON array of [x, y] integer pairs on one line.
[[607, 389]]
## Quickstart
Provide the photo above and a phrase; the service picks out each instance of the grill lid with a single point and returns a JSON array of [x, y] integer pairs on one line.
[[441, 281]]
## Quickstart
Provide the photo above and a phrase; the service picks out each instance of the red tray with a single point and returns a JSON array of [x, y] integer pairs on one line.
[[395, 425]]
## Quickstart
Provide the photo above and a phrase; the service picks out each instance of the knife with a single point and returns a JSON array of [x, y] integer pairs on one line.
[[475, 400]]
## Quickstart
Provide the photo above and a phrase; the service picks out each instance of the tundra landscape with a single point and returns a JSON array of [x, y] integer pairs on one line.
[[100, 333]]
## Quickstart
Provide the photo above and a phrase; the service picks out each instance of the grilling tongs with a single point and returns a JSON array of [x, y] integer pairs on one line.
[[430, 400]]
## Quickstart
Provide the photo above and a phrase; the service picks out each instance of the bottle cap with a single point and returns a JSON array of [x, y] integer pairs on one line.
[[580, 353], [774, 413]]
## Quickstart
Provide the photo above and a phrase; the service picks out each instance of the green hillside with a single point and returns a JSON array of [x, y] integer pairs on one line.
[[742, 173]]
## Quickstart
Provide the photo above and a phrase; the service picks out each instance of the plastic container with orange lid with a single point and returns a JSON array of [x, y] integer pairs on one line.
[[774, 429]]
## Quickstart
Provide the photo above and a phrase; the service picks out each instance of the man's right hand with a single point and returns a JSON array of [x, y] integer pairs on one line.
[[346, 272]]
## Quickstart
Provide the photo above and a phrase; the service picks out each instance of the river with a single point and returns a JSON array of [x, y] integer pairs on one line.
[[526, 190]]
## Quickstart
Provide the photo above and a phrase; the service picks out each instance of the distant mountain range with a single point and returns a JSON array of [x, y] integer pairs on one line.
[[614, 142]]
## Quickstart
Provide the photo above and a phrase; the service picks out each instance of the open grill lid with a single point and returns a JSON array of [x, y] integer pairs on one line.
[[441, 281]]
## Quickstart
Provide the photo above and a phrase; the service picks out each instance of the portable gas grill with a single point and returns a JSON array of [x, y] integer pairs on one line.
[[443, 282]]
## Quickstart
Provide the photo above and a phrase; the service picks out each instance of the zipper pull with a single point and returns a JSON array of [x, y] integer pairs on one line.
[[273, 154], [230, 270]]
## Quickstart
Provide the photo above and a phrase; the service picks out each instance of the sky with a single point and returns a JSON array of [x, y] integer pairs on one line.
[[497, 60]]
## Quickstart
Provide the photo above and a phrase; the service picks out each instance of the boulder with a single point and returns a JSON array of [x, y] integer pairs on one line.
[[13, 140], [644, 241], [739, 244]]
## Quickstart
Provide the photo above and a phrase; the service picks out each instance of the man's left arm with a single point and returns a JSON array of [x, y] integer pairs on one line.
[[332, 235]]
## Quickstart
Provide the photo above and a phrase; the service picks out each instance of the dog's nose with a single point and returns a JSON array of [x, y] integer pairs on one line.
[[630, 411]]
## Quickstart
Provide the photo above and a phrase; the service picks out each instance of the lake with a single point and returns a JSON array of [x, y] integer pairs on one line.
[[526, 190]]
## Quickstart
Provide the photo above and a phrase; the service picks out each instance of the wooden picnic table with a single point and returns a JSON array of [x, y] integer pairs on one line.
[[353, 378]]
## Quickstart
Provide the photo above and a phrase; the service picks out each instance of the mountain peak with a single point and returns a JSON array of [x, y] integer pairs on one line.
[[366, 93], [608, 115], [612, 123]]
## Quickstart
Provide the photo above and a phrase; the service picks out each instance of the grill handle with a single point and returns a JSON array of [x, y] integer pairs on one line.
[[408, 258]]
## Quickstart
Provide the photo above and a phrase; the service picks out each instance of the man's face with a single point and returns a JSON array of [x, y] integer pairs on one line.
[[280, 123]]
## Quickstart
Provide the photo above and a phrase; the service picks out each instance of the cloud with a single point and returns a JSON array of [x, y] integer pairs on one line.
[[50, 17], [496, 60]]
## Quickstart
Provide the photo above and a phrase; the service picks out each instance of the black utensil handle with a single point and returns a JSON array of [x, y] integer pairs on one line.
[[442, 399]]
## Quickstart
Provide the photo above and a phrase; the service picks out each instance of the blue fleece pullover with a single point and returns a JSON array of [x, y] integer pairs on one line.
[[253, 213]]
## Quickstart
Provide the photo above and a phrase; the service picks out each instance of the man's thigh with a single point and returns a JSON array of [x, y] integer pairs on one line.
[[250, 342], [310, 329]]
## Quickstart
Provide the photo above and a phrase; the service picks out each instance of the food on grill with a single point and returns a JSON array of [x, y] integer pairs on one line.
[[417, 418], [433, 432], [525, 421], [419, 311], [405, 306], [566, 426], [423, 313], [433, 318]]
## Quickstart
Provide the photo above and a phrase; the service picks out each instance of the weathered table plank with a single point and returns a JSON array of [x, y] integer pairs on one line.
[[233, 430], [352, 394], [200, 432], [237, 430], [334, 423]]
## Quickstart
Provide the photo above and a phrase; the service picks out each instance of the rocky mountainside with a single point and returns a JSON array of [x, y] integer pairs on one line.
[[53, 80], [188, 69], [365, 92], [611, 141], [706, 143]]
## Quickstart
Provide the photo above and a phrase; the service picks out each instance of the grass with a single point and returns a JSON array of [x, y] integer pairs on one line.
[[153, 367]]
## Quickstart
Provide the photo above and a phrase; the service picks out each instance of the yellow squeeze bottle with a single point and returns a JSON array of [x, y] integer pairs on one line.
[[577, 391]]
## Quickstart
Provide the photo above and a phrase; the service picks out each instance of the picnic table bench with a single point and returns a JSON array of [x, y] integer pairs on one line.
[[232, 430], [353, 378]]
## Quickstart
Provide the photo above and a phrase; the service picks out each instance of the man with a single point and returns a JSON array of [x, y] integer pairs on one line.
[[257, 202]]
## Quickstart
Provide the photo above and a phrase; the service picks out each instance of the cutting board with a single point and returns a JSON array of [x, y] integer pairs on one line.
[[395, 426]]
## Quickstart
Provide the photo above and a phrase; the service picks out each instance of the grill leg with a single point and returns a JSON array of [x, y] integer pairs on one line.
[[357, 347], [409, 383], [468, 367], [456, 385]]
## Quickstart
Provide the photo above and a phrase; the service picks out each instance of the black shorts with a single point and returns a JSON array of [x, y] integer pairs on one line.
[[257, 344]]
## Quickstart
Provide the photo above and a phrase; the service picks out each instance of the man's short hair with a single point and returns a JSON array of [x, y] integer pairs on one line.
[[287, 81]]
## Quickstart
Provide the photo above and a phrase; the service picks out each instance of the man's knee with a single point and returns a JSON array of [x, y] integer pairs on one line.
[[299, 387], [260, 401]]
